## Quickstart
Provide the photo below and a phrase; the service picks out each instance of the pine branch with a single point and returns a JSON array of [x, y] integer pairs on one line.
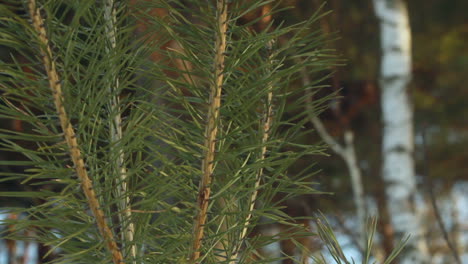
[[267, 122], [125, 211], [211, 130], [69, 134]]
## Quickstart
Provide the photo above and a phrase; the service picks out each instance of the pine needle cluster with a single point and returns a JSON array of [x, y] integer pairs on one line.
[[131, 150]]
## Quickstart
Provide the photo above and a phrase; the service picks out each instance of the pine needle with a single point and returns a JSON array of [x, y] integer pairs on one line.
[[211, 131], [125, 211], [69, 134], [267, 122]]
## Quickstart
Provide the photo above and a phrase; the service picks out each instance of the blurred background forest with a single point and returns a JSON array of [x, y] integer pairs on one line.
[[439, 32]]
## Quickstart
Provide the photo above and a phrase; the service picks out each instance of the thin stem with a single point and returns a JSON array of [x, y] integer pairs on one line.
[[346, 152], [11, 244], [211, 131], [430, 189], [267, 122], [70, 136], [125, 212]]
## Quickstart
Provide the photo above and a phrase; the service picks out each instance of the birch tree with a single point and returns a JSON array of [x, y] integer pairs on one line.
[[397, 118]]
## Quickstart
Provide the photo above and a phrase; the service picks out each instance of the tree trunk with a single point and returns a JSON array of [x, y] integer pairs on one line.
[[397, 143]]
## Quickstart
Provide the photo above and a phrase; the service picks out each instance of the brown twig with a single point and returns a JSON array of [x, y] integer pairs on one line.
[[69, 134], [430, 189], [11, 244], [211, 131]]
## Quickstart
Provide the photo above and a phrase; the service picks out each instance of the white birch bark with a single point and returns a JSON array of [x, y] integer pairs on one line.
[[397, 120]]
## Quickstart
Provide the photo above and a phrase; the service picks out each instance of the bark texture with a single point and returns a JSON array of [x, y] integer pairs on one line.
[[70, 134], [211, 132], [397, 120]]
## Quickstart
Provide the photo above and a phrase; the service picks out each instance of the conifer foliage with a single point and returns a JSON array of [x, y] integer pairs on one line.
[[127, 159]]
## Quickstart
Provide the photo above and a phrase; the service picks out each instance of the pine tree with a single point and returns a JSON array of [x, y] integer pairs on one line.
[[125, 159]]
